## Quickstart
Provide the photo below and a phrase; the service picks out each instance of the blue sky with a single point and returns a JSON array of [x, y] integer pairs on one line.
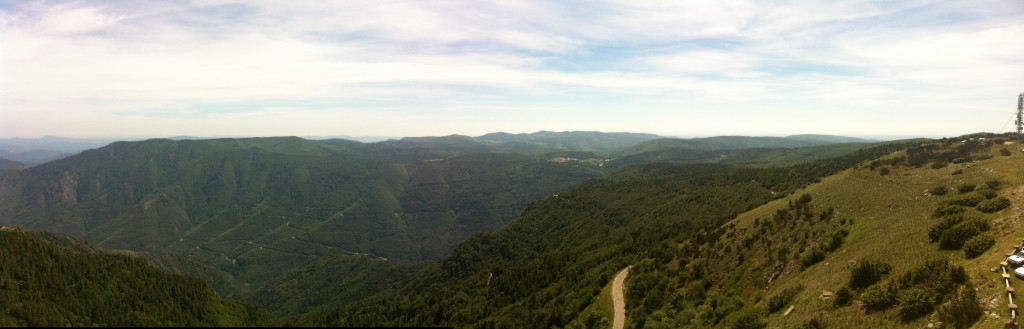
[[429, 68]]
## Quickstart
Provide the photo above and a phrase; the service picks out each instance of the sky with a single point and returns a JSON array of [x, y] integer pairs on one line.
[[224, 68]]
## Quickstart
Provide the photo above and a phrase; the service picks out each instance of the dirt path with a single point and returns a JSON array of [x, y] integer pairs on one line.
[[617, 299]]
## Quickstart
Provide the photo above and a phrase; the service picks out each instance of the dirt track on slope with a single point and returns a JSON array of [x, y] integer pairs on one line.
[[618, 301]]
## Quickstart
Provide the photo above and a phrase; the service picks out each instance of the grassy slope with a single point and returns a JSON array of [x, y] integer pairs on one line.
[[891, 219], [602, 306]]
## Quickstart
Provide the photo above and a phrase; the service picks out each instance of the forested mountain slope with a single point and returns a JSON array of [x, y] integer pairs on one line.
[[254, 207], [741, 150], [549, 264], [49, 280], [330, 232], [707, 251]]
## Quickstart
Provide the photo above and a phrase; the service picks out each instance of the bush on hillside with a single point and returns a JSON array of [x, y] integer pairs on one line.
[[836, 240], [1004, 152], [938, 190], [967, 200], [812, 257], [994, 205], [963, 308], [878, 298], [884, 171], [965, 187], [948, 221], [867, 272], [915, 302], [978, 245], [749, 318], [956, 236], [843, 296], [947, 210], [994, 184], [778, 301], [987, 193]]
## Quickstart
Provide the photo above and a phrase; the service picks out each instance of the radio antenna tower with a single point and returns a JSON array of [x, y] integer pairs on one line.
[[1020, 113]]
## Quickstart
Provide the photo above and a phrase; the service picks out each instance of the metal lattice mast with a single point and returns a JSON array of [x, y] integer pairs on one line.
[[1020, 113]]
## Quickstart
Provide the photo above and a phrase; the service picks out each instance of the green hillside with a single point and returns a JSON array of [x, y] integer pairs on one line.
[[253, 208], [513, 232], [547, 266], [6, 164], [586, 141], [710, 248], [740, 150], [50, 280]]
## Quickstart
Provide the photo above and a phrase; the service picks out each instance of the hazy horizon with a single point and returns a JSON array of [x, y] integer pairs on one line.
[[365, 138], [220, 68]]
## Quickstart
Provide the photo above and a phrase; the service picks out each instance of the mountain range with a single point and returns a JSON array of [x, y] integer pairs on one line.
[[518, 230]]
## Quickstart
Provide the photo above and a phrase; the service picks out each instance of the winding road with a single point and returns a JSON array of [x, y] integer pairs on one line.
[[618, 301]]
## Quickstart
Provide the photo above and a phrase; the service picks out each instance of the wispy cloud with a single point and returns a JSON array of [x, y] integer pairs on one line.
[[441, 67]]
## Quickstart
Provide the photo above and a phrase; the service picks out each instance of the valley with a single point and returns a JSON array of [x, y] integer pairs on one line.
[[477, 232]]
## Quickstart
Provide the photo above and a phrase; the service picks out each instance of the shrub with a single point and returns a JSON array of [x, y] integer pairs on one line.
[[981, 223], [812, 257], [936, 274], [836, 240], [994, 184], [938, 190], [867, 272], [962, 160], [963, 308], [947, 210], [827, 215], [948, 221], [1004, 152], [938, 165], [843, 296], [781, 299], [878, 298], [965, 187], [915, 302], [884, 171], [978, 245], [956, 236], [749, 318], [987, 193], [968, 200], [994, 205]]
